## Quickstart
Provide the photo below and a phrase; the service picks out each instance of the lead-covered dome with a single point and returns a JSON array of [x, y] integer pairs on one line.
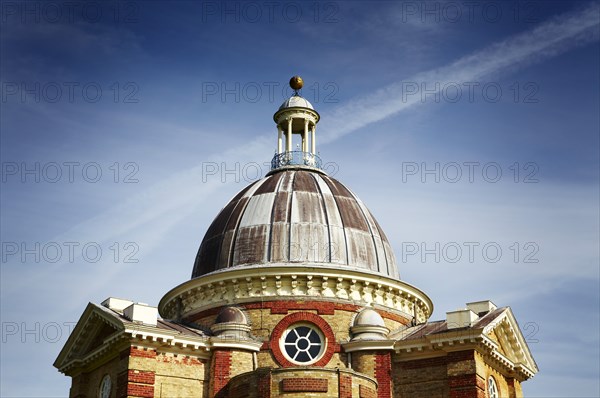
[[295, 233], [295, 217]]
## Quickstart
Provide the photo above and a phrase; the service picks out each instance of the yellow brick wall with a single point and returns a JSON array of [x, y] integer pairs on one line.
[[518, 389], [459, 368], [364, 362], [176, 375], [428, 379], [485, 371], [241, 362], [89, 384], [245, 385], [263, 322]]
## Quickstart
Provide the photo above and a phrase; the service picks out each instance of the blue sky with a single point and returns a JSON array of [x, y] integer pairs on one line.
[[126, 126]]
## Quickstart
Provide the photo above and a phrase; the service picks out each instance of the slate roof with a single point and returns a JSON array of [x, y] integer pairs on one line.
[[439, 327]]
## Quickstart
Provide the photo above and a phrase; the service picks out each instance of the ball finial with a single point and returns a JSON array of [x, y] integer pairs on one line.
[[296, 83]]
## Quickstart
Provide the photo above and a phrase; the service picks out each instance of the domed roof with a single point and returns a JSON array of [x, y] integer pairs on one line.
[[368, 325], [231, 315], [368, 317], [295, 217], [296, 101]]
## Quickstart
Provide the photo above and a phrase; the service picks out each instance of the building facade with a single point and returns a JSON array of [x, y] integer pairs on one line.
[[295, 292]]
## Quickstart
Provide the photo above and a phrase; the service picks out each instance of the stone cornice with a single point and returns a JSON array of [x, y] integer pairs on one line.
[[507, 330], [296, 112], [297, 167], [490, 349], [248, 345], [252, 283], [160, 341], [368, 345], [170, 338], [439, 344], [127, 334]]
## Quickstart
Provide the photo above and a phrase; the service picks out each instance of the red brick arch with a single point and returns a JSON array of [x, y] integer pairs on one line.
[[298, 317]]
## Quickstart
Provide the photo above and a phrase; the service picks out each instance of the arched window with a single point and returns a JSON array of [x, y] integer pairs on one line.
[[105, 387], [492, 388]]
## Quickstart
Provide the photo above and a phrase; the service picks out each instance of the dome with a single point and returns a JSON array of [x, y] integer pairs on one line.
[[368, 317], [295, 217], [231, 323], [368, 325], [231, 315], [296, 101]]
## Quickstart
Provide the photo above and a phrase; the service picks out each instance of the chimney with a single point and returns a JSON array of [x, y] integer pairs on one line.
[[142, 313], [460, 318], [116, 304], [481, 307]]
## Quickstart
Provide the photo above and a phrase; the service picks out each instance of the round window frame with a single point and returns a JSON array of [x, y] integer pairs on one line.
[[491, 383], [296, 318], [314, 329]]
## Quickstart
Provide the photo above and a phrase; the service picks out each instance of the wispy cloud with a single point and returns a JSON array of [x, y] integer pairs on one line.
[[547, 40], [177, 195]]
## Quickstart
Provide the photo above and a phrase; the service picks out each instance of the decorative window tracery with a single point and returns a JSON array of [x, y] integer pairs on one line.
[[492, 388], [302, 343]]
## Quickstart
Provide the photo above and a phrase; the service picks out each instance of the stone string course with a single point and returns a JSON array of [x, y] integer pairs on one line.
[[196, 296]]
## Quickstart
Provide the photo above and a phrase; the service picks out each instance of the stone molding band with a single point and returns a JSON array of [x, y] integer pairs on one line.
[[249, 284]]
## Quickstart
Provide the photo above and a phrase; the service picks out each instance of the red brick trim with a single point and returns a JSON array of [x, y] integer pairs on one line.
[[466, 386], [462, 381], [383, 374], [285, 306], [140, 390], [511, 386], [135, 383], [345, 386], [181, 359], [220, 370], [304, 384], [138, 352], [297, 317], [264, 384], [140, 376]]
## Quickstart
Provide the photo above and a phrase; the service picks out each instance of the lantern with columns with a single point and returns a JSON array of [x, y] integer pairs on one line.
[[296, 116]]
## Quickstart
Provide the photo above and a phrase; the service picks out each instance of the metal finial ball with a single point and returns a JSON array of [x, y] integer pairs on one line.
[[296, 83]]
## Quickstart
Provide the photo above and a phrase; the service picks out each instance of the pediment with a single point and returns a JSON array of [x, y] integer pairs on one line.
[[495, 334], [98, 332], [508, 341], [95, 326]]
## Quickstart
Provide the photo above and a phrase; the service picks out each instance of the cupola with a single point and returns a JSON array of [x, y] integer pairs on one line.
[[296, 117]]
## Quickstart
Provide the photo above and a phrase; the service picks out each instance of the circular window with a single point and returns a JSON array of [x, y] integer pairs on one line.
[[105, 387], [492, 388], [302, 338], [302, 343]]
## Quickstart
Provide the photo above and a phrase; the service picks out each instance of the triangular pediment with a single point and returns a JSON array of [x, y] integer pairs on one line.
[[98, 332], [495, 334], [95, 326], [508, 341]]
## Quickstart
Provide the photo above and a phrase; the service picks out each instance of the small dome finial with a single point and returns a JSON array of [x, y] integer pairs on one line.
[[296, 83]]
